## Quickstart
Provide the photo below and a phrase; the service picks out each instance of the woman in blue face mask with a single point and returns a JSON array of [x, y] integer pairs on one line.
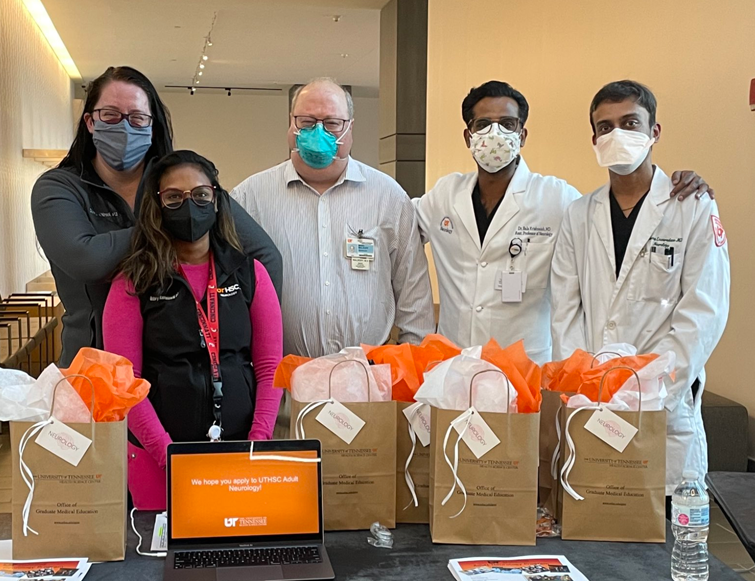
[[85, 210]]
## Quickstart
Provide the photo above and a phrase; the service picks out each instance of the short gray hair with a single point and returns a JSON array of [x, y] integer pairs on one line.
[[328, 80]]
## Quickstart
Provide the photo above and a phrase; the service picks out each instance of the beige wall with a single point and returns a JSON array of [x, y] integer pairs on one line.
[[246, 133], [698, 57], [35, 113]]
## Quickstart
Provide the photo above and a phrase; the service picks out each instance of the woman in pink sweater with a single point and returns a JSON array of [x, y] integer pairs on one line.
[[197, 318]]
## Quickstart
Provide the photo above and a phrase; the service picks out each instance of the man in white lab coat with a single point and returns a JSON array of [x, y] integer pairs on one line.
[[492, 231], [631, 266]]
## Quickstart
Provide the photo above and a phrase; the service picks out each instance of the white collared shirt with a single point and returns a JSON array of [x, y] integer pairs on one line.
[[471, 307], [326, 305]]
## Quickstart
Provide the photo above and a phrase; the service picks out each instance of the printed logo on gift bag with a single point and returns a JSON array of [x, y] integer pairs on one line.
[[478, 435], [64, 442]]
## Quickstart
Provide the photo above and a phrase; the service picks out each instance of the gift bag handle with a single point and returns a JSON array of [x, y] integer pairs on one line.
[[639, 389], [599, 353], [508, 385], [311, 406], [366, 376], [91, 411]]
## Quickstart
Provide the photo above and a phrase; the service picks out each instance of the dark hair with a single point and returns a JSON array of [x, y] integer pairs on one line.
[[619, 91], [493, 89], [152, 258], [82, 148]]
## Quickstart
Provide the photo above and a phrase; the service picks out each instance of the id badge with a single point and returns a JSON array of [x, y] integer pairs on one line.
[[511, 286], [360, 248]]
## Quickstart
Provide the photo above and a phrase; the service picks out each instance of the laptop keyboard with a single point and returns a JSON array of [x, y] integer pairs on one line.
[[246, 557]]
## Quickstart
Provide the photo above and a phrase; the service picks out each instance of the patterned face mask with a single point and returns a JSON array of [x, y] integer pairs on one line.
[[495, 149]]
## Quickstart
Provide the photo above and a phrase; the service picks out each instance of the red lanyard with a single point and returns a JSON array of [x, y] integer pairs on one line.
[[209, 326]]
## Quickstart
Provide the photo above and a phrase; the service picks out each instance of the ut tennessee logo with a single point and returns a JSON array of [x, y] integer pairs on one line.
[[228, 291], [719, 234], [231, 522], [446, 225]]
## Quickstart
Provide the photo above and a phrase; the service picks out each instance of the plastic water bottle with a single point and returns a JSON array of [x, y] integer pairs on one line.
[[690, 521]]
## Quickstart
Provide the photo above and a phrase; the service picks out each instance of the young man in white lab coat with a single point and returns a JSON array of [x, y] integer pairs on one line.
[[631, 266], [492, 231]]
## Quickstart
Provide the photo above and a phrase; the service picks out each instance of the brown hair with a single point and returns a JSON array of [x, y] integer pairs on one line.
[[153, 258]]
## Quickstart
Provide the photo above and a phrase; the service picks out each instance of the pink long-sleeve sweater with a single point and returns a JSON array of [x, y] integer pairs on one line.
[[122, 334]]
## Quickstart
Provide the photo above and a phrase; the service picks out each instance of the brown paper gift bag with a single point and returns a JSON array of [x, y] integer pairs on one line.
[[624, 492], [419, 469], [77, 510], [359, 479], [501, 486]]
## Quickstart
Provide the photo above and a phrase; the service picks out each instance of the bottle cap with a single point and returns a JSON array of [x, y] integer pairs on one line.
[[690, 475]]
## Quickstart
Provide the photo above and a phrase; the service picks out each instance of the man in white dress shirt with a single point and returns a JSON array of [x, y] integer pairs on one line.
[[353, 263]]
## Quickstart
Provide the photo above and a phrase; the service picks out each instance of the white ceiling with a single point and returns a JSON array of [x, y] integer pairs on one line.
[[255, 42]]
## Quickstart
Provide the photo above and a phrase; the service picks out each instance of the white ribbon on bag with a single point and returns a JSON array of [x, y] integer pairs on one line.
[[466, 416], [407, 475], [26, 474], [311, 406], [571, 457]]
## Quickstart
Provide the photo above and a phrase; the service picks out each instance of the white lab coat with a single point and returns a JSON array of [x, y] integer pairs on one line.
[[653, 305], [471, 310]]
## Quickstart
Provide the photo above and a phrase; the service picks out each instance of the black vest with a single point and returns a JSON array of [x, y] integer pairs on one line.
[[177, 364]]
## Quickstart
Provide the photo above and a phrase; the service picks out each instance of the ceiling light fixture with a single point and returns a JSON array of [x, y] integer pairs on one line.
[[203, 57], [37, 11]]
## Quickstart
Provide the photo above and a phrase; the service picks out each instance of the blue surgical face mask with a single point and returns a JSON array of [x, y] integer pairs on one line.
[[317, 147], [120, 145]]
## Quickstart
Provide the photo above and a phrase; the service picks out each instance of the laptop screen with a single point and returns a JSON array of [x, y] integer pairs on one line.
[[223, 495]]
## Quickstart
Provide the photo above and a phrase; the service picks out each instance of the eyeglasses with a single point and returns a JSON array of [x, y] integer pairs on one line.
[[331, 124], [483, 124], [113, 117], [173, 198]]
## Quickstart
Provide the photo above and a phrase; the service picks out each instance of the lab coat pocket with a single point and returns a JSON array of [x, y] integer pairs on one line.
[[539, 257], [663, 282]]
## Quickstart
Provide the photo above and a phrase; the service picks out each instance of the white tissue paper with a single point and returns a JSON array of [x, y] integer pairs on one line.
[[24, 399], [446, 386], [310, 381], [652, 384]]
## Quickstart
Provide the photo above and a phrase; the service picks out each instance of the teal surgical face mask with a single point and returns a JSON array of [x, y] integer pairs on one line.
[[318, 147]]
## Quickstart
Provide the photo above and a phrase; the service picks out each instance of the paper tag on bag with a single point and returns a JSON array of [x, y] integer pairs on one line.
[[418, 415], [478, 436], [160, 533], [610, 428], [340, 420], [63, 441]]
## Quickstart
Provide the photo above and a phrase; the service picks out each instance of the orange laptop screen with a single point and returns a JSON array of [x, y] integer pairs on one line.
[[228, 495]]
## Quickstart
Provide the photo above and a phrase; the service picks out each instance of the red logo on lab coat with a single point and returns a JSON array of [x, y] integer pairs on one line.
[[446, 225], [719, 234]]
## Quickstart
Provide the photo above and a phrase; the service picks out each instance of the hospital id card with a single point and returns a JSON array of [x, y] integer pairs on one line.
[[360, 248], [511, 286], [499, 280]]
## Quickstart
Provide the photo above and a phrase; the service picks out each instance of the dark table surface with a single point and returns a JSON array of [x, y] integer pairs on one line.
[[735, 493], [415, 558]]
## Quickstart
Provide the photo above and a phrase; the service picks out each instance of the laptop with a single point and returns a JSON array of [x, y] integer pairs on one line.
[[245, 511]]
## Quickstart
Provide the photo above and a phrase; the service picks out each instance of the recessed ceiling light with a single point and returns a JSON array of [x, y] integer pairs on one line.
[[344, 55], [201, 65], [200, 73], [204, 57]]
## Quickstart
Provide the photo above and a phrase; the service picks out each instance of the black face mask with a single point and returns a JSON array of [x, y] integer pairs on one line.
[[189, 222]]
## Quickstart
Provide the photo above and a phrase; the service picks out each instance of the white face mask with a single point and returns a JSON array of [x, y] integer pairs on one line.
[[622, 151], [495, 149]]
